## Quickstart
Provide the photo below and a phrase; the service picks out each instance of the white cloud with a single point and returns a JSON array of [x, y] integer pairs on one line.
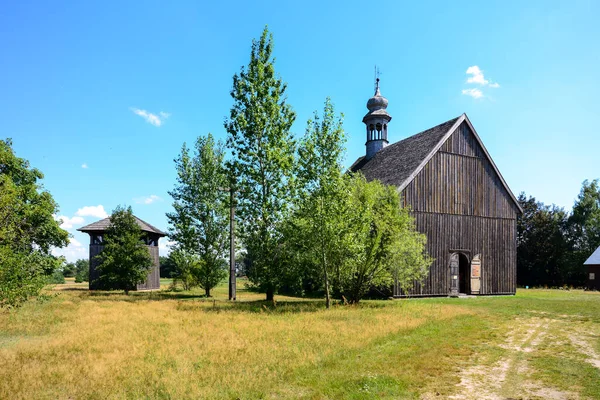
[[474, 93], [74, 251], [478, 78], [84, 166], [92, 211], [164, 246], [156, 120], [476, 75], [147, 200], [68, 223]]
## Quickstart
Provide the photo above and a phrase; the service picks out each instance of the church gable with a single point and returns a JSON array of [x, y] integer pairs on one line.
[[463, 142], [460, 178], [458, 198], [398, 163]]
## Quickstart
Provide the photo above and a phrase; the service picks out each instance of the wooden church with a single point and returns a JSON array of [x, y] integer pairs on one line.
[[458, 198]]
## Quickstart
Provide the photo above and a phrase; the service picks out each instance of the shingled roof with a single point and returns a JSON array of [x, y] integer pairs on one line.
[[398, 163], [395, 163], [103, 224]]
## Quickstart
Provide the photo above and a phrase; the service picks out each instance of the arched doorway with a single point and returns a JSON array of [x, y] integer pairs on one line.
[[464, 274]]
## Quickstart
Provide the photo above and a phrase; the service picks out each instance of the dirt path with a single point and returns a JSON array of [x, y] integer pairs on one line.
[[509, 375], [585, 347]]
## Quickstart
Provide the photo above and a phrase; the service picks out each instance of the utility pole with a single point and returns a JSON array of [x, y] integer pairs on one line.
[[231, 190], [232, 242]]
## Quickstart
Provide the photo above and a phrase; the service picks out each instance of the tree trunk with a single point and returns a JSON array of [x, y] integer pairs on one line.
[[126, 292], [207, 291], [327, 295], [326, 277], [270, 294]]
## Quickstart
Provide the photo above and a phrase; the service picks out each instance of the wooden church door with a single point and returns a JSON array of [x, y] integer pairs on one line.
[[476, 274], [454, 265]]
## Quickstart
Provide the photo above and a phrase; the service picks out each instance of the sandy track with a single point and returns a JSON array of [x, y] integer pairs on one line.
[[510, 376]]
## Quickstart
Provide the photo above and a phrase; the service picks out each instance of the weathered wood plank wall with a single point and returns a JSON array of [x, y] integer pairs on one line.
[[95, 249], [153, 281], [595, 283], [459, 202], [489, 237]]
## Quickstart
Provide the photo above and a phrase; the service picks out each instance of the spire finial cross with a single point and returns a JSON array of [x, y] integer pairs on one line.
[[377, 74]]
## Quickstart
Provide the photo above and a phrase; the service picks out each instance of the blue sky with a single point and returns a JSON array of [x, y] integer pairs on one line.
[[100, 97]]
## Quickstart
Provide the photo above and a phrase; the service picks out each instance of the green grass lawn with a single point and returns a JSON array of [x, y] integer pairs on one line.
[[77, 344]]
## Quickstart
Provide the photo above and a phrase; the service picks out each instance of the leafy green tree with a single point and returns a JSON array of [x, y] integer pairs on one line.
[[585, 218], [583, 228], [263, 156], [28, 229], [125, 261], [209, 275], [320, 214], [68, 270], [22, 275], [243, 263], [57, 277], [199, 224], [82, 271], [543, 250], [408, 259], [384, 245], [552, 244], [167, 267], [185, 268]]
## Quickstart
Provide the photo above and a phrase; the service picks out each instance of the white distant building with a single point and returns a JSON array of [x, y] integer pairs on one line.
[[592, 265]]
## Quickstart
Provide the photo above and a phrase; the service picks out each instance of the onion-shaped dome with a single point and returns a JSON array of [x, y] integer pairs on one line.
[[377, 102]]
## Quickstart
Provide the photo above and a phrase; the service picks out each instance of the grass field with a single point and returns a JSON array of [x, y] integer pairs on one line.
[[76, 344]]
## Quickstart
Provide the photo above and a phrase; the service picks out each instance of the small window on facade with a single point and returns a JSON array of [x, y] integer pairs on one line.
[[592, 276]]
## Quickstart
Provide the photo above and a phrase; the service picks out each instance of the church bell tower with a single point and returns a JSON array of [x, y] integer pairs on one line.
[[376, 120]]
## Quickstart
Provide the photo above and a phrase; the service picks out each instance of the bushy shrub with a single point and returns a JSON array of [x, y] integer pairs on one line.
[[28, 229], [68, 270], [57, 277], [82, 271]]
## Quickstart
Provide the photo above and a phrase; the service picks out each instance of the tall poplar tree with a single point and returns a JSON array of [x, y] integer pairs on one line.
[[263, 156], [322, 196], [585, 218], [199, 224]]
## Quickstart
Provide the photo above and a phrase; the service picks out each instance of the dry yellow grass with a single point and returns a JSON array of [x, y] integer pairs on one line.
[[82, 345]]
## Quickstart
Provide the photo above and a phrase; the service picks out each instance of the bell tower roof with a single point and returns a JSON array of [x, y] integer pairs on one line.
[[377, 106], [377, 102], [376, 121]]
